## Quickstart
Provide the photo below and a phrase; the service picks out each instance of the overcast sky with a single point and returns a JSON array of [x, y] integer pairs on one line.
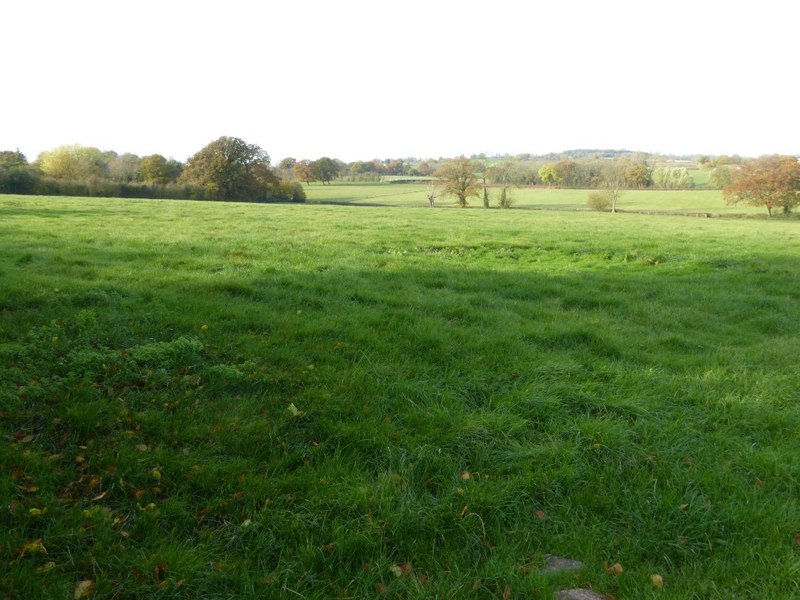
[[368, 79]]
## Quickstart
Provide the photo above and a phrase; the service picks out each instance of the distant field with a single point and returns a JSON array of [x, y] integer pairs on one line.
[[222, 400], [414, 195]]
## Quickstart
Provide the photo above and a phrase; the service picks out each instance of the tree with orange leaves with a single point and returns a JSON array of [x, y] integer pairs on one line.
[[769, 181]]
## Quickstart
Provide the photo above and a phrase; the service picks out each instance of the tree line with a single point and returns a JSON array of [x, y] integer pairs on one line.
[[231, 169], [226, 169], [772, 182]]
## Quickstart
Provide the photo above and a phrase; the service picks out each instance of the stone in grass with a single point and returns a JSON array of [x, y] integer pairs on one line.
[[559, 564], [578, 594]]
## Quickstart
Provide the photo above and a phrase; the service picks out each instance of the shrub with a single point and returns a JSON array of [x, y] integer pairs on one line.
[[598, 201], [505, 200]]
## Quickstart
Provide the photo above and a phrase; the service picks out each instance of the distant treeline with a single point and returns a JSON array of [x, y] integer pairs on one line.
[[579, 169], [226, 169], [231, 169]]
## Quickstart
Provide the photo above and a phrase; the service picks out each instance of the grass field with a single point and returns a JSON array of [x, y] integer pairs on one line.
[[414, 195], [220, 400]]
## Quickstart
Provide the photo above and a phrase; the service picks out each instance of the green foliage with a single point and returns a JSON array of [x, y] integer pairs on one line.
[[599, 201], [16, 175], [505, 200], [720, 177], [231, 169], [157, 169], [673, 178], [325, 169], [72, 163], [549, 175]]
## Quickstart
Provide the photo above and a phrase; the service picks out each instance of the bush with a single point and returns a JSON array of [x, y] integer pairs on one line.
[[598, 201], [505, 200]]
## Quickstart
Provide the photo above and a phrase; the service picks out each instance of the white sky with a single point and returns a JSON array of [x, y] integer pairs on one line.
[[363, 79]]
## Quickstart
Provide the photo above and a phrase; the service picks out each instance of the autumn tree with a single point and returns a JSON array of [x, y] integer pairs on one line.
[[638, 175], [769, 181], [231, 169], [304, 171], [457, 178], [124, 167]]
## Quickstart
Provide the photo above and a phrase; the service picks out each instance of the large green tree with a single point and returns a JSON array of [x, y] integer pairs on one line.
[[155, 168], [769, 181], [231, 169], [16, 175], [73, 162], [457, 178], [325, 169], [549, 174]]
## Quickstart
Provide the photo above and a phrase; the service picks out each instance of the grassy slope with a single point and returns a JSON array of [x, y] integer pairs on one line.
[[618, 388]]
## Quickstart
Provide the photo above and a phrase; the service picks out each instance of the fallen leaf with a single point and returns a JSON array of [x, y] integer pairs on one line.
[[464, 511], [34, 547], [80, 458], [84, 589], [142, 447], [683, 506], [465, 475], [615, 569], [381, 588], [506, 592], [476, 585], [406, 568], [295, 412], [657, 580], [160, 571], [797, 539], [540, 514], [46, 567], [155, 474], [99, 496], [396, 570]]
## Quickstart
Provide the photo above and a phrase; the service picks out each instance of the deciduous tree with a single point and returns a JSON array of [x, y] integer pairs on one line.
[[325, 169], [304, 171], [72, 162], [157, 169], [457, 178], [769, 181], [549, 174], [231, 169]]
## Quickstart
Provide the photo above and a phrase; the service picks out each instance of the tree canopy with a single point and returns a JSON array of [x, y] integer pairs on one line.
[[231, 169], [457, 178], [73, 162], [769, 181]]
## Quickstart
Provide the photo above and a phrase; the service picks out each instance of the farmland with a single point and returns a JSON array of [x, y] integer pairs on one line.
[[226, 400], [414, 195]]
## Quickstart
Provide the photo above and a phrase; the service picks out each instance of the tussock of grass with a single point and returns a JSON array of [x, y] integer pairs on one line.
[[264, 401]]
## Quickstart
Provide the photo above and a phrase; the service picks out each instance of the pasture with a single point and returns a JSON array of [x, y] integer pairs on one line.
[[221, 400], [414, 195]]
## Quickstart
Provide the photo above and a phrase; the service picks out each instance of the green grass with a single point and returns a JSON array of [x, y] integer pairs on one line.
[[208, 400], [414, 195]]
